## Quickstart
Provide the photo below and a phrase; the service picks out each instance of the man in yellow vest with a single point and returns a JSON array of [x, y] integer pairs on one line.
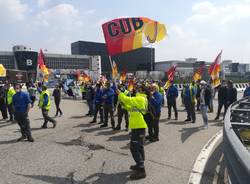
[[44, 104], [9, 94], [137, 107]]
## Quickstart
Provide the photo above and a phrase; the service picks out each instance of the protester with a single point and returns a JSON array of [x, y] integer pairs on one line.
[[10, 92], [231, 93], [22, 105], [156, 102], [222, 99], [205, 96], [122, 111], [32, 92], [189, 101], [90, 94], [44, 104], [98, 103], [57, 99], [108, 105], [136, 107], [83, 90], [3, 105], [247, 91], [172, 94], [198, 96]]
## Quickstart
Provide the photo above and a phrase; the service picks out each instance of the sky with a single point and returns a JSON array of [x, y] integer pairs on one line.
[[195, 28]]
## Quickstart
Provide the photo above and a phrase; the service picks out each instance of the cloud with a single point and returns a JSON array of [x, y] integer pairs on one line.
[[207, 12], [12, 10], [90, 12], [42, 3], [62, 16]]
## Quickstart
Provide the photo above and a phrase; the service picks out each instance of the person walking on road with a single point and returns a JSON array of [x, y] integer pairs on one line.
[[22, 105], [222, 99], [44, 104], [10, 92], [108, 105], [136, 107], [205, 96], [57, 98], [172, 94]]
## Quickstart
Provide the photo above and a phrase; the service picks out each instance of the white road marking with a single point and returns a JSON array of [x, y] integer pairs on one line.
[[201, 161]]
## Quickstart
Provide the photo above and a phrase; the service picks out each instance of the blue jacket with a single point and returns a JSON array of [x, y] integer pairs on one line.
[[156, 101], [21, 101], [172, 93], [98, 96], [108, 96], [247, 92], [189, 94]]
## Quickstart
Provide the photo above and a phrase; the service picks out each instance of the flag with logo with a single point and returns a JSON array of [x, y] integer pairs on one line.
[[170, 74], [126, 34], [199, 72], [214, 71]]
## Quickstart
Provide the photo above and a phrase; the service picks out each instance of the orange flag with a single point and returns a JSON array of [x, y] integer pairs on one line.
[[123, 75], [130, 85], [214, 70], [198, 73]]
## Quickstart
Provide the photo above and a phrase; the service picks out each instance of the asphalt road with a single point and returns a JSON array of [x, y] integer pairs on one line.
[[77, 152]]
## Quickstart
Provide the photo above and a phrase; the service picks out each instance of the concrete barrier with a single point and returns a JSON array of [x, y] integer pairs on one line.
[[237, 155]]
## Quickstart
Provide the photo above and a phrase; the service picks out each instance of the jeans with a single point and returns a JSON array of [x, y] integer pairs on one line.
[[57, 103], [120, 114], [172, 103], [136, 146], [46, 117], [24, 123], [190, 108], [91, 107], [203, 109], [108, 110], [98, 108], [10, 110]]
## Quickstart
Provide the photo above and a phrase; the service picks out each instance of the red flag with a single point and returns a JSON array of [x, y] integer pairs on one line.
[[171, 72], [41, 63], [214, 70]]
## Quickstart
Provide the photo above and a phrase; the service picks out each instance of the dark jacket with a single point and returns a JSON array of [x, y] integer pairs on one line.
[[90, 93], [231, 95], [247, 92], [156, 101], [172, 93], [108, 96], [222, 94], [98, 96]]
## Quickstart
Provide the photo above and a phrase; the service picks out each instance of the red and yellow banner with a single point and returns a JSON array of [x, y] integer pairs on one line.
[[198, 73], [170, 75], [214, 71], [126, 34]]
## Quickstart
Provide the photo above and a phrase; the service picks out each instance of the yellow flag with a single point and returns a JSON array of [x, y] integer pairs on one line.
[[2, 71]]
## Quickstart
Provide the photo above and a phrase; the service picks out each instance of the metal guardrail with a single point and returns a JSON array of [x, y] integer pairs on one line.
[[236, 152]]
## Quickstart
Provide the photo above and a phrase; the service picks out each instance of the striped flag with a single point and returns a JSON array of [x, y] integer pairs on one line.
[[198, 73], [42, 69], [214, 70], [170, 74]]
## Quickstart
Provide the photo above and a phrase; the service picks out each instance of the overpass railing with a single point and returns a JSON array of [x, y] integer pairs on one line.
[[236, 141]]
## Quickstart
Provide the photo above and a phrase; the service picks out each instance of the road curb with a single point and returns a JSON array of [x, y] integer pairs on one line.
[[201, 161]]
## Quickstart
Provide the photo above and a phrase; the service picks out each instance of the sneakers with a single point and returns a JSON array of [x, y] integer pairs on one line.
[[139, 174], [118, 128], [21, 139], [94, 121], [134, 167], [30, 139], [104, 125]]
